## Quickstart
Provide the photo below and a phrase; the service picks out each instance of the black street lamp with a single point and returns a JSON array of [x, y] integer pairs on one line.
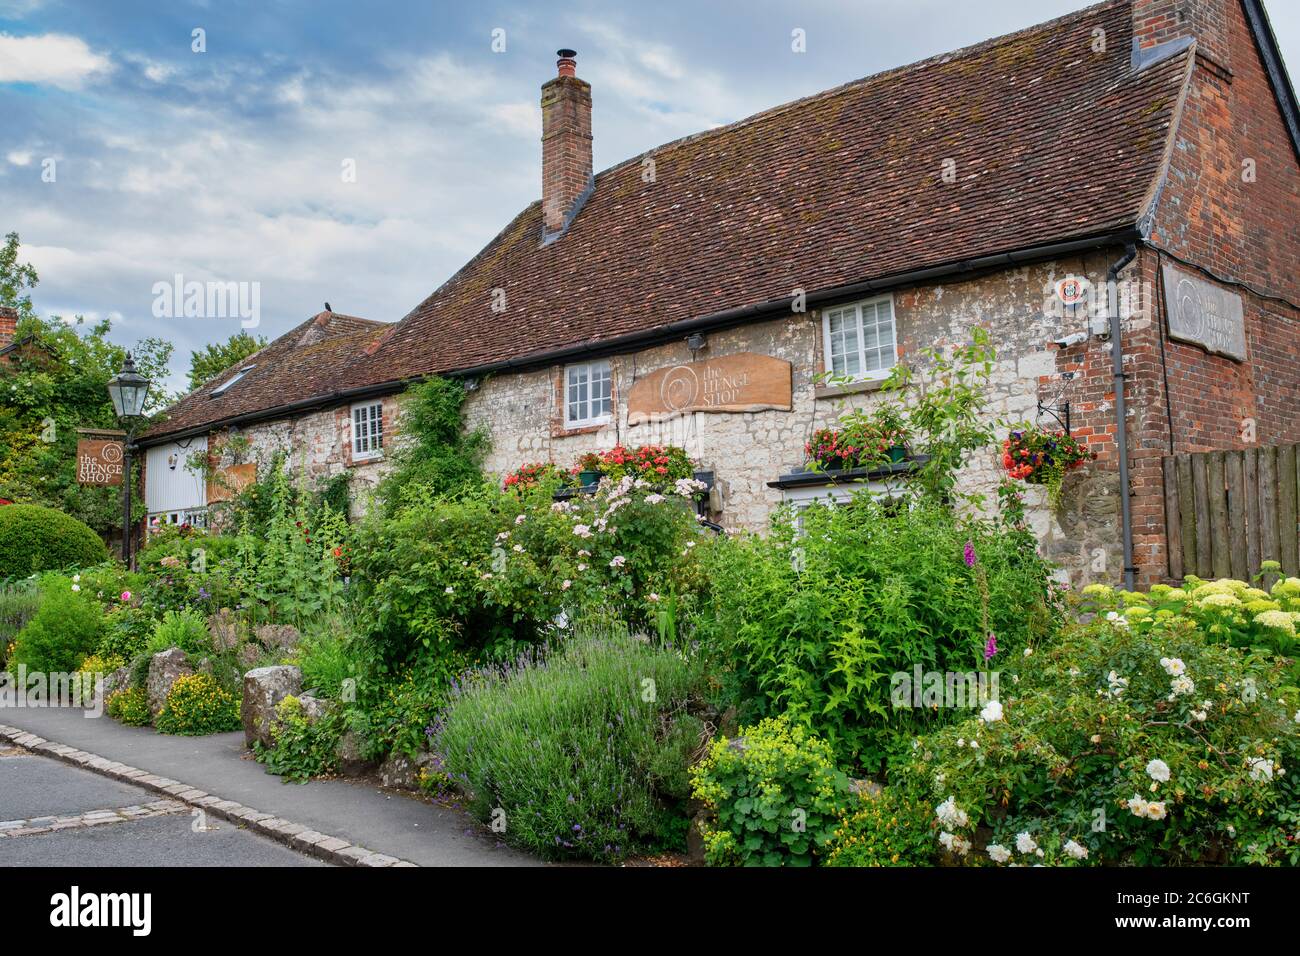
[[128, 389]]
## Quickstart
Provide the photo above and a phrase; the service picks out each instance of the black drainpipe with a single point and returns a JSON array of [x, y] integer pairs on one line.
[[1121, 417]]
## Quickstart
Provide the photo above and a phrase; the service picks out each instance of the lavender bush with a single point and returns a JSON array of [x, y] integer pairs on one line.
[[580, 752]]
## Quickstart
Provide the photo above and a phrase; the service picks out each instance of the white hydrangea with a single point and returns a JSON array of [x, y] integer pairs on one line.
[[1025, 842], [1075, 850]]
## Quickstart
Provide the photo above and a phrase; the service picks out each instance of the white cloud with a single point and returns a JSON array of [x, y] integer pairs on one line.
[[521, 119], [19, 157], [53, 59]]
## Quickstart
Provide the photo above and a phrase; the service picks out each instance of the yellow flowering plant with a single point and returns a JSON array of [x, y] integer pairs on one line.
[[774, 795], [197, 705]]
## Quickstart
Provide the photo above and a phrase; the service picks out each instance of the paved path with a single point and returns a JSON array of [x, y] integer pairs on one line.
[[58, 815], [364, 814]]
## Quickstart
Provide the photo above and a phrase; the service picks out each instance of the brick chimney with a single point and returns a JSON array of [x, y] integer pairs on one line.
[[8, 324], [566, 145], [1156, 22]]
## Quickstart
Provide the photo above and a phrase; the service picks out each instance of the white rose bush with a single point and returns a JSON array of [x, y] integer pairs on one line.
[[1121, 745]]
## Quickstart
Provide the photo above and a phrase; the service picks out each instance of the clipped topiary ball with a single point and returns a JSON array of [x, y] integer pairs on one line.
[[34, 539]]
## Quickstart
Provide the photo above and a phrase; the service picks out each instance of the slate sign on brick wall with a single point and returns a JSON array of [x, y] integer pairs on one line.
[[1204, 314]]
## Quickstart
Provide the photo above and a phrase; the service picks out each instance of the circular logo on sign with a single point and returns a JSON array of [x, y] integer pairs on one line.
[[1188, 308], [111, 454], [1072, 290], [679, 388]]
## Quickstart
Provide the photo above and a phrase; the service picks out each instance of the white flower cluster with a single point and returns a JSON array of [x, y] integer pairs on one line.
[[1074, 850], [992, 712], [1117, 684], [1262, 769], [1158, 771], [688, 487], [950, 815], [1150, 810], [954, 843]]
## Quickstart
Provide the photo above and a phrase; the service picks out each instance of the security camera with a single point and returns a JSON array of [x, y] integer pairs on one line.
[[1074, 339]]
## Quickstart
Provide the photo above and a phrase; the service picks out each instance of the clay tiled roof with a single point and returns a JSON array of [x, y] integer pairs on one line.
[[1051, 141], [308, 361]]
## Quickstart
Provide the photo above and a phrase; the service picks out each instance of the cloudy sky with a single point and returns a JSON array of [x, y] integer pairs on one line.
[[228, 164]]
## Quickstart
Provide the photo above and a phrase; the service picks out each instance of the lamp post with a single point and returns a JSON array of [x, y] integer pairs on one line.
[[128, 389]]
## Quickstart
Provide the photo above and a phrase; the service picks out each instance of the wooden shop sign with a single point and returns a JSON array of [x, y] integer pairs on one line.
[[99, 461], [745, 382]]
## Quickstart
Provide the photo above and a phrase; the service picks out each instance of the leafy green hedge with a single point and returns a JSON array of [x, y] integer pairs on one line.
[[35, 539]]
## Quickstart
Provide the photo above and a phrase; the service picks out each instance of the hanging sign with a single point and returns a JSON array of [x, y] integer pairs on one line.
[[99, 461]]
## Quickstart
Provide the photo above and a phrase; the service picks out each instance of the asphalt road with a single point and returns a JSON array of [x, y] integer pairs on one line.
[[47, 793], [355, 810]]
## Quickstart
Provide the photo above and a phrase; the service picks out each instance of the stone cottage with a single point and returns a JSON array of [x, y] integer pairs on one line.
[[1124, 180]]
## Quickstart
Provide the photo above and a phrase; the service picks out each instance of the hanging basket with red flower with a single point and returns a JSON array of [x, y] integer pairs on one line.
[[1039, 457]]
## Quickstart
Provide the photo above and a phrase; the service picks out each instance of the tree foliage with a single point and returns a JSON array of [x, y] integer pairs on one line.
[[213, 359], [55, 385]]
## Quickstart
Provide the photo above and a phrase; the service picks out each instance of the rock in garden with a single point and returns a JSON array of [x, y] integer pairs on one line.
[[164, 668], [402, 772], [277, 637], [264, 688], [313, 708], [351, 758]]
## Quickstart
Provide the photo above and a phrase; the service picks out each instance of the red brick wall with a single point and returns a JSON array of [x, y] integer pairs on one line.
[[1245, 231]]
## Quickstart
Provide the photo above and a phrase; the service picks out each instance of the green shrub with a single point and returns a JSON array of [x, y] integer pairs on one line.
[[393, 709], [301, 748], [890, 829], [126, 632], [187, 629], [815, 624], [576, 752], [489, 572], [130, 706], [35, 539], [66, 628], [19, 603], [196, 705], [325, 657], [438, 454], [1120, 745], [774, 794], [187, 568]]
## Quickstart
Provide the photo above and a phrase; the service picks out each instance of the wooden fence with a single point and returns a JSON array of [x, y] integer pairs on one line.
[[1228, 511]]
